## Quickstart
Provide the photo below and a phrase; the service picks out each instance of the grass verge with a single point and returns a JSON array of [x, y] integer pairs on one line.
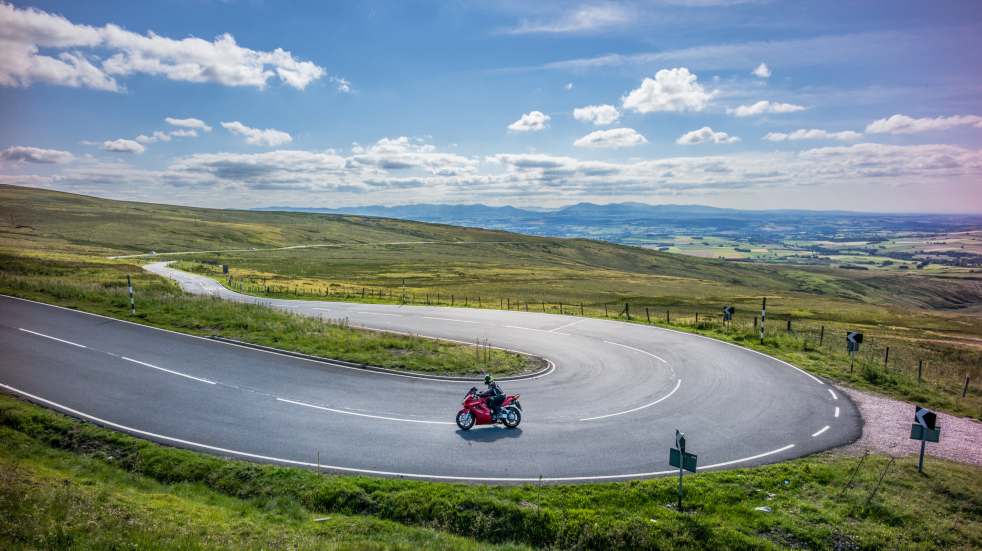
[[99, 286], [809, 501]]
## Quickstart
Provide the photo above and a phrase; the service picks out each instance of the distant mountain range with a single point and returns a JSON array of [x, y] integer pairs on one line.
[[640, 222]]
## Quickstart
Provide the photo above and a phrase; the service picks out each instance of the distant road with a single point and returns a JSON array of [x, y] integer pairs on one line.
[[608, 411]]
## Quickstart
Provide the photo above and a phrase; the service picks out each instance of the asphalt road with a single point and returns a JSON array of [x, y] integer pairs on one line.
[[607, 411]]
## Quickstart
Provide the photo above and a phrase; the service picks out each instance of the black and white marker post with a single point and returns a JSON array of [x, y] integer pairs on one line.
[[924, 429], [129, 284], [853, 340], [728, 314], [677, 457], [763, 317]]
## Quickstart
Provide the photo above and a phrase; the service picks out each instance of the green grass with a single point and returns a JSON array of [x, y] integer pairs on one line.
[[99, 286], [123, 489]]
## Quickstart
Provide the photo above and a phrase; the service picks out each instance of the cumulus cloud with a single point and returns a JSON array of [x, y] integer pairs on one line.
[[597, 114], [671, 90], [25, 154], [587, 18], [530, 122], [194, 124], [27, 32], [404, 153], [764, 106], [902, 124], [615, 138], [269, 137], [762, 71], [812, 134], [342, 85], [123, 145], [705, 135]]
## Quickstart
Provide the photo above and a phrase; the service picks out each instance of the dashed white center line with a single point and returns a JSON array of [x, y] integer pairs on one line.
[[52, 338], [820, 431], [659, 358], [341, 411], [449, 319], [527, 328], [832, 392], [570, 324], [172, 372], [380, 314], [836, 412]]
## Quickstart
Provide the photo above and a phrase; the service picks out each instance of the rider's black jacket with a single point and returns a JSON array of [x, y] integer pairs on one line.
[[493, 391]]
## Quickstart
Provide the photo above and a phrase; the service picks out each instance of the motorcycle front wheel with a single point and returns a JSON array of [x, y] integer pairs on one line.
[[465, 420], [513, 417]]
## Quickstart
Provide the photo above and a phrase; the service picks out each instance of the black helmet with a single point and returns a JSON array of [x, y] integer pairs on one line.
[[488, 379]]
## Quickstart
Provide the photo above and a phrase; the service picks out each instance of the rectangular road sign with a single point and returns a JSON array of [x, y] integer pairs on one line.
[[919, 432], [684, 460]]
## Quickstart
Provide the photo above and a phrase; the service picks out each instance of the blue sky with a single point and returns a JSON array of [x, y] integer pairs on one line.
[[757, 104]]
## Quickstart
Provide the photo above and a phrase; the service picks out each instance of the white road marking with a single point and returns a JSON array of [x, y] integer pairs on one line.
[[227, 451], [52, 338], [820, 431], [751, 458], [527, 328], [665, 397], [380, 314], [178, 373], [832, 392], [836, 412], [449, 319], [659, 358], [332, 410], [570, 324]]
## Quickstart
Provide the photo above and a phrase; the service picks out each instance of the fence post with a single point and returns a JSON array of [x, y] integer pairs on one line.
[[965, 390], [508, 303], [581, 309], [886, 357], [451, 300], [605, 310], [920, 369], [755, 324], [627, 311], [789, 325], [697, 317], [668, 316], [647, 314], [821, 337], [129, 284]]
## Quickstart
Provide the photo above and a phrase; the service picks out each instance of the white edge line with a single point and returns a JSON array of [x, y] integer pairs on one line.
[[659, 358], [832, 392], [448, 319], [665, 397], [552, 366], [52, 338], [820, 431], [131, 430], [836, 412], [178, 373], [341, 411]]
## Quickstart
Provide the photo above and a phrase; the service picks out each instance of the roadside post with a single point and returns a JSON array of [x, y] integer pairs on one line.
[[924, 429], [678, 457], [763, 318], [129, 284], [728, 314], [853, 340]]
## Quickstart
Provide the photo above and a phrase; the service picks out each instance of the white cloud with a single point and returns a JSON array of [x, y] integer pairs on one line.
[[581, 19], [902, 124], [157, 136], [404, 153], [530, 122], [185, 133], [20, 153], [342, 85], [25, 33], [123, 146], [269, 137], [671, 90], [569, 86], [812, 134], [196, 124], [597, 114], [762, 71], [705, 135], [764, 106], [615, 138]]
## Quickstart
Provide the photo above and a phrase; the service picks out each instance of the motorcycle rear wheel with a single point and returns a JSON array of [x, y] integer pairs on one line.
[[512, 417], [465, 420]]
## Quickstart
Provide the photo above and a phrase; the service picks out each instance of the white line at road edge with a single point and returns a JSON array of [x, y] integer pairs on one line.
[[820, 431], [332, 410], [366, 471], [832, 392], [659, 358], [178, 373], [665, 397], [52, 338]]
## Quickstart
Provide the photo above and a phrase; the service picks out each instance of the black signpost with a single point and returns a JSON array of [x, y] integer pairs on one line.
[[853, 340], [678, 457], [924, 429], [224, 268], [728, 313]]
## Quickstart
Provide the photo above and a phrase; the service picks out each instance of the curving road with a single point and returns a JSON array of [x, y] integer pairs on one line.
[[607, 411]]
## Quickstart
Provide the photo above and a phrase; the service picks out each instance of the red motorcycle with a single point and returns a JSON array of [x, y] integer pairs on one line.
[[476, 411]]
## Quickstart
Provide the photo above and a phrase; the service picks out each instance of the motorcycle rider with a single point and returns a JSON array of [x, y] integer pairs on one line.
[[494, 394]]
